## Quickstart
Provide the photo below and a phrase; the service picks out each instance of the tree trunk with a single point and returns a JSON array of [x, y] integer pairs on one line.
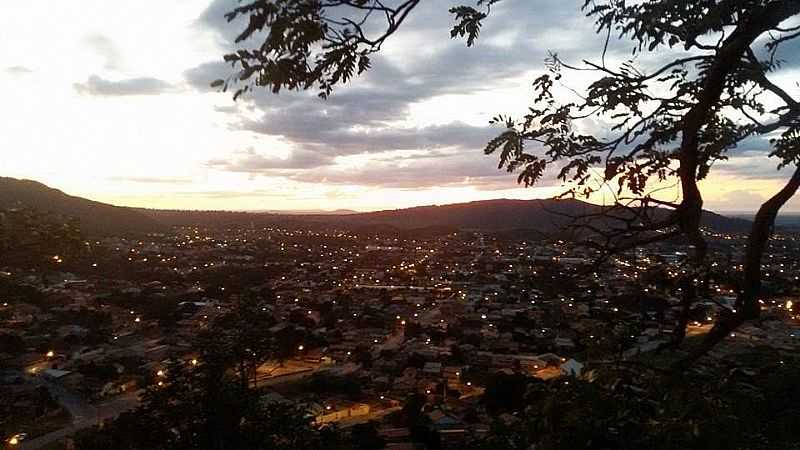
[[747, 304]]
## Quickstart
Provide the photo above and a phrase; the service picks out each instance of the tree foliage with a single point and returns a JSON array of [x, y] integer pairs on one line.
[[625, 409], [32, 237], [207, 402], [662, 125]]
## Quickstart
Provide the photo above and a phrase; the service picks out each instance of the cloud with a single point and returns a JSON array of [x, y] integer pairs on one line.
[[153, 180], [104, 46], [200, 77], [752, 166], [330, 134], [737, 200], [250, 161], [445, 169], [390, 169], [96, 85], [363, 117], [213, 20], [373, 115], [18, 70]]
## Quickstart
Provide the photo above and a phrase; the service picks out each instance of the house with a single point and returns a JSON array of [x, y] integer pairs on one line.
[[338, 413], [441, 420], [571, 368]]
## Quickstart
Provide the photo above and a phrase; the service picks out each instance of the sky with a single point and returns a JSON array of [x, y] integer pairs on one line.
[[111, 101]]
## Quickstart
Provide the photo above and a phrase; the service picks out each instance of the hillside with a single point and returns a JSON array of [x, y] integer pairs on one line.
[[95, 218], [538, 216], [544, 216]]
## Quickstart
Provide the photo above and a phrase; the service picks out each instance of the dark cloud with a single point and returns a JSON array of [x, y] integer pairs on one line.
[[201, 77], [755, 145], [96, 85], [362, 117], [333, 137], [251, 161], [213, 19]]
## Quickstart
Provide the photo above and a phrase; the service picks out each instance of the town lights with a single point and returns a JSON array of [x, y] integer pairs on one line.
[[300, 347], [50, 354]]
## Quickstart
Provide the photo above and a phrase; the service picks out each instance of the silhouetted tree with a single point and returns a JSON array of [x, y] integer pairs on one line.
[[197, 404], [365, 437], [663, 125]]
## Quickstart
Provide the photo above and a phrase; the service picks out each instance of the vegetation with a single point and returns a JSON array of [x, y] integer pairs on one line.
[[754, 407], [667, 125], [209, 403]]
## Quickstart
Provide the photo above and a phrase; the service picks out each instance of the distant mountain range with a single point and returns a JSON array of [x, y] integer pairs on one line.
[[546, 216], [537, 216]]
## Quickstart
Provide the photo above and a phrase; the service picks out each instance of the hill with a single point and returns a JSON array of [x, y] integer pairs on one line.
[[95, 218], [544, 216], [531, 217]]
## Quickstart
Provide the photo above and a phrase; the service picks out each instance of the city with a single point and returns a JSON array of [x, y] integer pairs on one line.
[[400, 225], [356, 323]]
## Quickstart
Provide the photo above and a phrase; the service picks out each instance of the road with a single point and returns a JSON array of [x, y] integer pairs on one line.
[[373, 415], [77, 407], [84, 414], [298, 373]]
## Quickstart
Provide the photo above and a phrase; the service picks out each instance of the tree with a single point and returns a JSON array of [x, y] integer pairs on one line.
[[30, 238], [197, 404], [666, 124], [506, 393], [244, 332], [365, 437]]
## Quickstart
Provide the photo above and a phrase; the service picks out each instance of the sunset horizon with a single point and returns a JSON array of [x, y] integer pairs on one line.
[[128, 125]]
